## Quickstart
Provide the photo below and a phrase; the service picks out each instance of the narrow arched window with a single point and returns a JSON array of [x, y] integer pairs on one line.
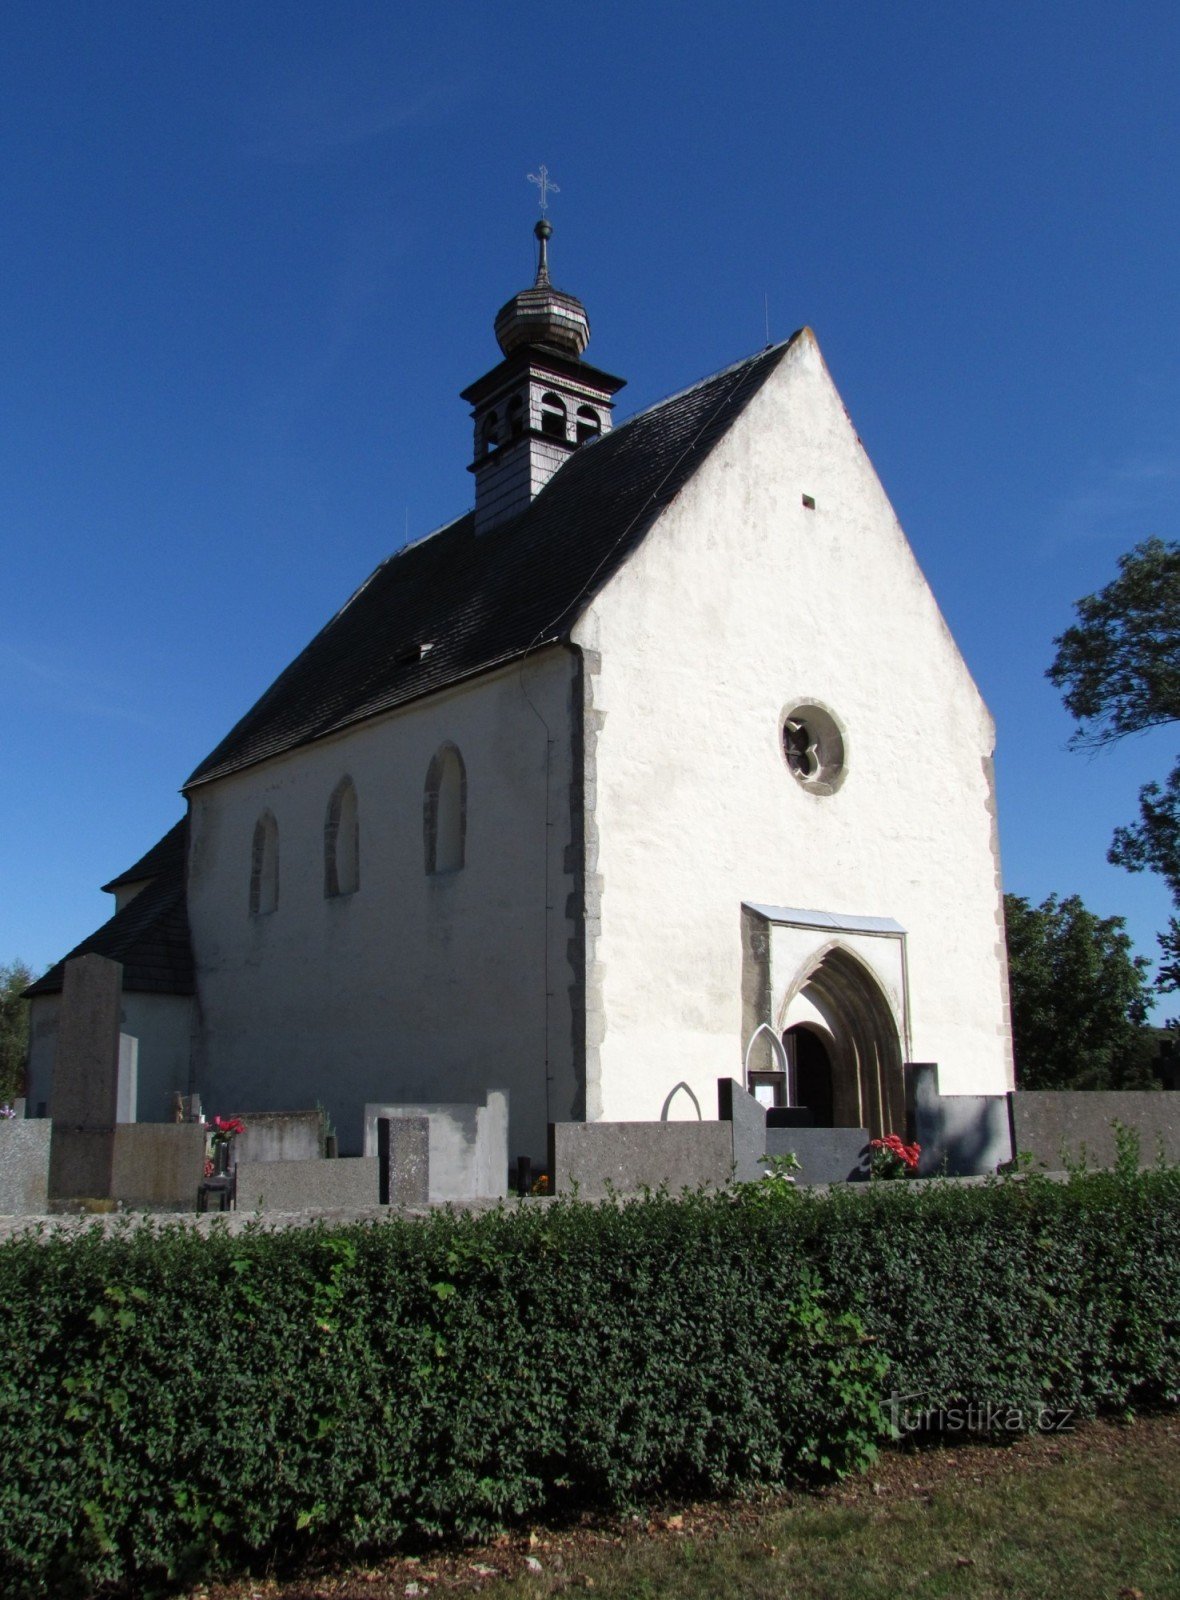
[[489, 437], [264, 866], [515, 417], [589, 424], [342, 842], [445, 811], [552, 416]]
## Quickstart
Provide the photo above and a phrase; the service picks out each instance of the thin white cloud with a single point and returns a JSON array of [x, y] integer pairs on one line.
[[73, 689], [312, 123], [1129, 500]]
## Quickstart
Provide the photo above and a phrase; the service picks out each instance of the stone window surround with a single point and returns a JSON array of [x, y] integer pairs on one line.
[[430, 797], [333, 875], [830, 743], [266, 829], [264, 864]]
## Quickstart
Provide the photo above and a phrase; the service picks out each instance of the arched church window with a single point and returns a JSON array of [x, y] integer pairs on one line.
[[489, 437], [264, 866], [589, 424], [445, 811], [516, 417], [553, 416], [342, 842]]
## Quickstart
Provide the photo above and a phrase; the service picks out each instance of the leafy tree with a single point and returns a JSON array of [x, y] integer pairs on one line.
[[14, 1029], [1079, 998], [1119, 670]]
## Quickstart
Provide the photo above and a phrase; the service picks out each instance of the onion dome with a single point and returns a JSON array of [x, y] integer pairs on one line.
[[543, 314]]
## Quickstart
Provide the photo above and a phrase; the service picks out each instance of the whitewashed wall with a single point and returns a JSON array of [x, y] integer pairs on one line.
[[414, 987], [162, 1025], [741, 603], [43, 1018]]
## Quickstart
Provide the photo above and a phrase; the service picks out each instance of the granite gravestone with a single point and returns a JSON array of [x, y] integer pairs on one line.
[[84, 1100]]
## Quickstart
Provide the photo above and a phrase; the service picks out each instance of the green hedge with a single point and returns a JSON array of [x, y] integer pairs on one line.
[[171, 1404]]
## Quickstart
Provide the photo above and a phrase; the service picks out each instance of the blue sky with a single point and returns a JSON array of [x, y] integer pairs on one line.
[[253, 251]]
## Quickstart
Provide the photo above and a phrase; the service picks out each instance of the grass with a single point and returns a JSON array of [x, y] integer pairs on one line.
[[1097, 1521], [1095, 1513]]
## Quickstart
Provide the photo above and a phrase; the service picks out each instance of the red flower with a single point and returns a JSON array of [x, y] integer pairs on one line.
[[907, 1153]]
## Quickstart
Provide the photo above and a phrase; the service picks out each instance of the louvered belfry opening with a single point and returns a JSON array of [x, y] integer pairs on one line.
[[541, 403]]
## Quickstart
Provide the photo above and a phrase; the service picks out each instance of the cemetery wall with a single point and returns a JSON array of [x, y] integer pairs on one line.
[[600, 1158], [1059, 1126]]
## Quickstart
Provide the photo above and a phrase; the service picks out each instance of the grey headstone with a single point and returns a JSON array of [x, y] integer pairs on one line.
[[85, 1092], [961, 1135], [24, 1166], [81, 1162], [826, 1155], [407, 1182], [86, 1064], [127, 1097], [468, 1144], [157, 1164], [747, 1120], [280, 1136]]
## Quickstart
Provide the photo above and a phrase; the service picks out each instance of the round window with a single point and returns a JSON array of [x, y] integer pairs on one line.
[[813, 746]]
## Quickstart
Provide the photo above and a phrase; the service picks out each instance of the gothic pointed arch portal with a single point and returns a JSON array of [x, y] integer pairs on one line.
[[843, 1044]]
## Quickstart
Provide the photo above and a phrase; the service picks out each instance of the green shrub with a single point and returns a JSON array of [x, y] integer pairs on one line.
[[171, 1404]]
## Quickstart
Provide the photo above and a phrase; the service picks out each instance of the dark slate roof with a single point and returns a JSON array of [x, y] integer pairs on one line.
[[482, 601], [150, 936], [163, 856]]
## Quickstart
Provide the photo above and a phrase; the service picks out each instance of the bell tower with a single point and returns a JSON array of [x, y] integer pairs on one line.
[[541, 403]]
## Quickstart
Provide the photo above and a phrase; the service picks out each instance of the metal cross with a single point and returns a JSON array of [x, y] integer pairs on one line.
[[546, 186]]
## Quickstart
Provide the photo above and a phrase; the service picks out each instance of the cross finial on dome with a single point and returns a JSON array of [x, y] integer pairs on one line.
[[545, 184]]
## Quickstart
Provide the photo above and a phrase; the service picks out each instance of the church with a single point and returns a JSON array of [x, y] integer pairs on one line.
[[658, 765]]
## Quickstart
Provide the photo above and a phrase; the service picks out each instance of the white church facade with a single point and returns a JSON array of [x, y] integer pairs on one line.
[[599, 793]]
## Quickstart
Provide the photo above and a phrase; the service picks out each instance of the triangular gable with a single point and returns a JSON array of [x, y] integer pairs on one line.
[[455, 605]]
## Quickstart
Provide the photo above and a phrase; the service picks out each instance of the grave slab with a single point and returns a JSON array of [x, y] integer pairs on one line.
[[597, 1157], [280, 1136], [158, 1164], [348, 1183]]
